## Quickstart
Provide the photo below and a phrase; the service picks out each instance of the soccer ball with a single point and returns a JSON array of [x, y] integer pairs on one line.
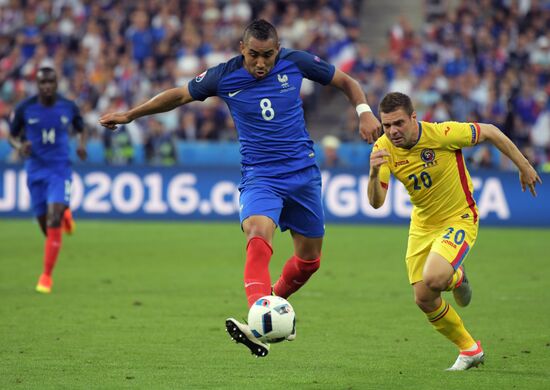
[[271, 319]]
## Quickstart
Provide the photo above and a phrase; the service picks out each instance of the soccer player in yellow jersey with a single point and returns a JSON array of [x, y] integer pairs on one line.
[[427, 159]]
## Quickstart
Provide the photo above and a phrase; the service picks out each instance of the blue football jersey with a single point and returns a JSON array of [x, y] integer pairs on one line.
[[267, 112], [47, 128]]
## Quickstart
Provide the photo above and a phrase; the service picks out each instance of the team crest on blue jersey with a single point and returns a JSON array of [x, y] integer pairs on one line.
[[283, 79], [285, 85], [199, 78], [427, 155]]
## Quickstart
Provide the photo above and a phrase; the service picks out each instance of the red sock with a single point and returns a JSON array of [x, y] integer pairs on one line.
[[51, 249], [295, 274], [257, 282]]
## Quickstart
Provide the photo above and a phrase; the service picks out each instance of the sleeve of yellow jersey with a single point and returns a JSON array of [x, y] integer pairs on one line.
[[384, 173], [457, 135]]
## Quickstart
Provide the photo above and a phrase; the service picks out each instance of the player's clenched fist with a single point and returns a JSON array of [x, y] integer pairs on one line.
[[377, 158], [111, 120], [369, 127], [25, 149]]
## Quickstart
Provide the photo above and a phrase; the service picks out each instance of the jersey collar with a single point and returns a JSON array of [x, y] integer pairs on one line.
[[419, 134]]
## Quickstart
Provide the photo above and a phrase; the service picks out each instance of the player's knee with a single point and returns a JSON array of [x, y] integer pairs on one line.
[[309, 254], [435, 282], [54, 221], [254, 228]]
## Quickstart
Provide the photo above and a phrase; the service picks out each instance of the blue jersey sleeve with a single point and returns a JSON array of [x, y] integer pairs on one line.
[[311, 66], [206, 84]]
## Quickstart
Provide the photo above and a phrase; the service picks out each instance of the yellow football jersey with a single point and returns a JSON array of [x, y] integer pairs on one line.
[[434, 172]]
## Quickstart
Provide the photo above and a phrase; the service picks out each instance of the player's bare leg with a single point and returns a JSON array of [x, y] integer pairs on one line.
[[307, 248], [52, 246], [439, 275]]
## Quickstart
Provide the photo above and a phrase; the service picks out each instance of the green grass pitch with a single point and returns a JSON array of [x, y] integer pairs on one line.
[[142, 305]]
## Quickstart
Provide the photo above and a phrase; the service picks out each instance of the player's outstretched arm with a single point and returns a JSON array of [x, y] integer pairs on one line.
[[528, 177], [164, 101], [376, 192], [369, 125]]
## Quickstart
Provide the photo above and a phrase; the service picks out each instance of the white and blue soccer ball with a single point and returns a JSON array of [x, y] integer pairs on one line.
[[271, 319]]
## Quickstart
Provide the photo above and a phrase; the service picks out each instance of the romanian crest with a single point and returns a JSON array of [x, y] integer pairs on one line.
[[427, 155]]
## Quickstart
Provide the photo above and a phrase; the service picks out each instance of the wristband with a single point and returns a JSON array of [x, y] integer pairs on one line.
[[361, 108]]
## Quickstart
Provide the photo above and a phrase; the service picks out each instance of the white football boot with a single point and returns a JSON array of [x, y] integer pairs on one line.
[[241, 333], [468, 359]]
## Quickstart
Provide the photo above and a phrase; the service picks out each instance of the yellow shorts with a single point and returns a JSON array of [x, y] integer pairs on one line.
[[452, 241]]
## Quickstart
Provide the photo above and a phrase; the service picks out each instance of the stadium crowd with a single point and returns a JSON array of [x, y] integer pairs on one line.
[[484, 60]]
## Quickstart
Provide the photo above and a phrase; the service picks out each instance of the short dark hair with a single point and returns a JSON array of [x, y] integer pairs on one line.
[[393, 101], [260, 29]]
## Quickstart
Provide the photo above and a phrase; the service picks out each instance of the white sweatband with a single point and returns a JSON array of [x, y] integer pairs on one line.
[[361, 108]]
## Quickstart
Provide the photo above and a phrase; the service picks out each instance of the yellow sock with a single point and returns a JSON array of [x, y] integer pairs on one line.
[[454, 280], [447, 322]]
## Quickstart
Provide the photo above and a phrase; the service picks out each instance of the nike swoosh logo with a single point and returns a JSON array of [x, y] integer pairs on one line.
[[231, 94], [251, 284], [32, 121]]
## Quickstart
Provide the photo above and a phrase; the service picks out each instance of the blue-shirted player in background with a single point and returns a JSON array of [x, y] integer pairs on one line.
[[39, 131], [281, 184]]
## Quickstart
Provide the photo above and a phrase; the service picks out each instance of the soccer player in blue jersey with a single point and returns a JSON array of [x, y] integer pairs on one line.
[[39, 131], [281, 184]]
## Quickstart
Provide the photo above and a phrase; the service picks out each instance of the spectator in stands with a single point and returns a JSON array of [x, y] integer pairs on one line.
[[540, 59], [141, 37], [348, 126], [119, 149], [187, 128], [135, 49], [482, 158], [540, 133], [160, 148], [331, 156]]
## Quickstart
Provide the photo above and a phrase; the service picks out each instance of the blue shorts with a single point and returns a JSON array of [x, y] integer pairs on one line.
[[49, 186], [292, 201]]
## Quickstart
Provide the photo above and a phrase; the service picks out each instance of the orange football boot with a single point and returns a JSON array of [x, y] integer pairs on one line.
[[45, 284]]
